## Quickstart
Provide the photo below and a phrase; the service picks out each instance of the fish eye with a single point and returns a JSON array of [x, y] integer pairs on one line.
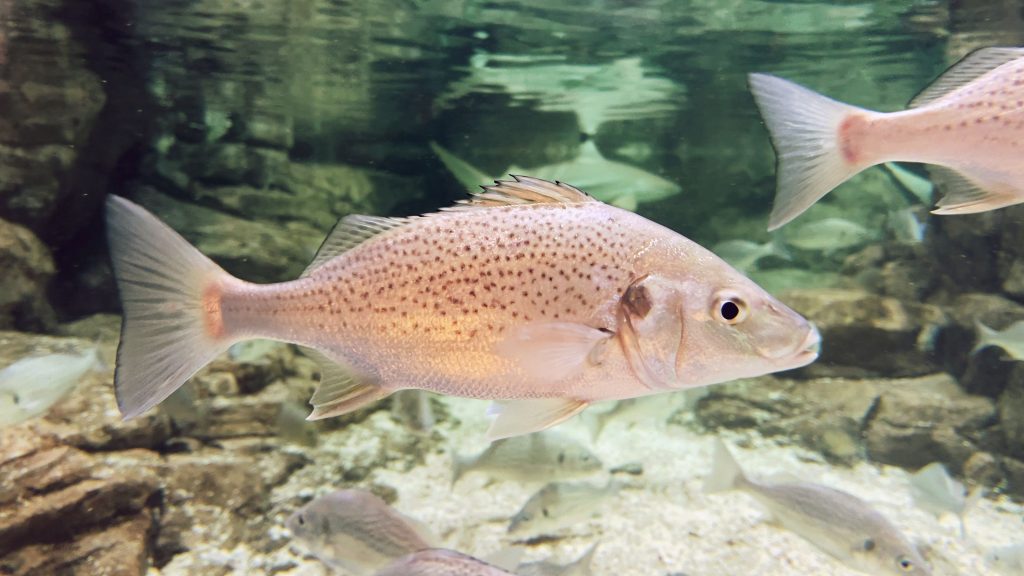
[[730, 309], [545, 512], [905, 564], [561, 457], [302, 521], [869, 545]]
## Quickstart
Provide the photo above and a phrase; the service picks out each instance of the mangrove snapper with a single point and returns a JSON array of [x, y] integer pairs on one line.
[[829, 235], [439, 562], [356, 531], [30, 386], [536, 457], [839, 523], [1010, 339], [935, 491], [531, 294], [967, 123]]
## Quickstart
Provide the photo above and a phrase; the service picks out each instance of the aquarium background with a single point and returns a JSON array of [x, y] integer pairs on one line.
[[252, 126]]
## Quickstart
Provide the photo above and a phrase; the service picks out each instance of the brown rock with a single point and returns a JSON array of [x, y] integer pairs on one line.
[[868, 335], [922, 420], [27, 270]]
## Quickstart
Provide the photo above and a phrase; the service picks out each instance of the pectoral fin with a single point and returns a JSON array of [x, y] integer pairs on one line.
[[342, 389], [553, 351], [516, 417]]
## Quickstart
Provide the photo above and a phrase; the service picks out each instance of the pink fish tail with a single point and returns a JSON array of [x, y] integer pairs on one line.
[[819, 143], [173, 304]]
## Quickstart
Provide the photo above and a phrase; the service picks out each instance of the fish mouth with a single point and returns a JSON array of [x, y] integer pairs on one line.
[[807, 351]]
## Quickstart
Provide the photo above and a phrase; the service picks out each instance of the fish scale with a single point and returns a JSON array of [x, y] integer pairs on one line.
[[531, 294]]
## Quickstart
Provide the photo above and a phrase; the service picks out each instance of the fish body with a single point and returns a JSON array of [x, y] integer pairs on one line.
[[531, 294], [30, 386], [356, 531], [616, 183], [578, 567], [1010, 339], [967, 124], [1008, 560], [839, 523], [744, 254], [559, 504], [935, 491], [829, 235], [917, 188], [439, 562], [544, 456]]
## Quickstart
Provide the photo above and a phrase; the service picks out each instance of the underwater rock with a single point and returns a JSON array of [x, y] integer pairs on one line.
[[824, 414], [864, 334], [27, 269], [59, 504], [985, 372], [1011, 413], [928, 419], [51, 101], [255, 251]]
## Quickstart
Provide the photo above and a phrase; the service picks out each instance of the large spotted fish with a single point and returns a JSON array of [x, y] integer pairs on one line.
[[969, 124], [531, 294]]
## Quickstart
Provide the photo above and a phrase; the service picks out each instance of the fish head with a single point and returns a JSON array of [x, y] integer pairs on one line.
[[710, 327], [309, 525], [577, 458], [892, 555]]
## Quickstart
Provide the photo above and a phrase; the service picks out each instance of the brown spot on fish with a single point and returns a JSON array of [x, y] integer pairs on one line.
[[851, 134], [637, 300]]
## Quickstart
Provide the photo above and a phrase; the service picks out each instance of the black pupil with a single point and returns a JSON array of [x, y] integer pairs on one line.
[[730, 310]]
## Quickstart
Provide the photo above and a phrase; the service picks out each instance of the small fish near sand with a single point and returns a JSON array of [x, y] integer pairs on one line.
[[1007, 560], [935, 491], [839, 523], [356, 531], [537, 457], [560, 504], [1010, 339], [440, 562], [30, 386], [967, 125], [578, 567], [531, 294]]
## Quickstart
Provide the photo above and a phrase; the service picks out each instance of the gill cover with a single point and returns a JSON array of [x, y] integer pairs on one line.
[[651, 331]]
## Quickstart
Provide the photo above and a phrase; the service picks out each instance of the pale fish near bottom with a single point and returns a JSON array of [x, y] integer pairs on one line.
[[531, 294]]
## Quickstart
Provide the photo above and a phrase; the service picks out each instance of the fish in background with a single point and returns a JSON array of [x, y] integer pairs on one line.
[[187, 412], [935, 491], [440, 562], [30, 386], [413, 409], [839, 523], [531, 294], [649, 411], [830, 235], [578, 567], [560, 504], [356, 531], [293, 427], [1007, 560], [536, 457], [616, 183], [966, 124], [1010, 339], [744, 254], [916, 189], [904, 225]]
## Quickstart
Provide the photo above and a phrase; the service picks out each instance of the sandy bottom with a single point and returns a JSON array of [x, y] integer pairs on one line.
[[661, 525]]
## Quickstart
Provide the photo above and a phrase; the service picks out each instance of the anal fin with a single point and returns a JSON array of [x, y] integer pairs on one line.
[[342, 389], [517, 417], [965, 194]]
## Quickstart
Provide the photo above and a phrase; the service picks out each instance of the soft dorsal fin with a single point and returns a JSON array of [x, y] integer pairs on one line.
[[349, 232], [523, 190], [972, 66]]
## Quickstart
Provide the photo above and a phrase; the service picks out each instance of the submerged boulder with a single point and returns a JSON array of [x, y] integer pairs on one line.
[[27, 270]]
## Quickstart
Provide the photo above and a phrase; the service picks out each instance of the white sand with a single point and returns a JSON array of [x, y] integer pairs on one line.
[[664, 525]]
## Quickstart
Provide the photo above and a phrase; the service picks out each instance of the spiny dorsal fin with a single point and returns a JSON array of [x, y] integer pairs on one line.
[[523, 190], [349, 232], [972, 66]]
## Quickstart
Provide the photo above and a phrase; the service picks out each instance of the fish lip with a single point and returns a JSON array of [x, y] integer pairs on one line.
[[805, 352]]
